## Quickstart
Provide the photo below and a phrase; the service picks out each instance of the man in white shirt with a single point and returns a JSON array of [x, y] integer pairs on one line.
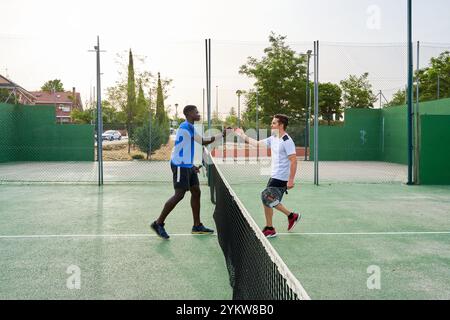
[[284, 168]]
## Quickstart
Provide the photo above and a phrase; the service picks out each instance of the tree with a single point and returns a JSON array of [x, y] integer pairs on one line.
[[131, 99], [280, 80], [5, 94], [329, 101], [161, 114], [357, 92], [149, 139], [141, 106], [82, 116], [398, 99], [117, 95], [215, 119], [53, 86], [231, 119], [438, 71]]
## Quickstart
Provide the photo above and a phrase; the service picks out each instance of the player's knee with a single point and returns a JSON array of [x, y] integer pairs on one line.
[[179, 195], [196, 192]]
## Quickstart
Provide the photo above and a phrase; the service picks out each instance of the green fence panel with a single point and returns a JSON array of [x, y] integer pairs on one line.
[[435, 150], [30, 133]]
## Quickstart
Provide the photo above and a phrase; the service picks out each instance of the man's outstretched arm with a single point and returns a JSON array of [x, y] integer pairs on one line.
[[240, 133], [206, 141]]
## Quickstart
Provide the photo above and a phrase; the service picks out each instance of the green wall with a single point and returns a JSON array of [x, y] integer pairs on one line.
[[31, 134], [385, 132], [434, 166], [394, 132], [7, 137], [358, 140]]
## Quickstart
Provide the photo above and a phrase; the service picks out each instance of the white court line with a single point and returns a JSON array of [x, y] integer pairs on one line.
[[365, 233], [196, 235]]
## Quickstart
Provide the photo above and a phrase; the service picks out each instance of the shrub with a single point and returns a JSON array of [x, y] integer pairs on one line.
[[146, 139]]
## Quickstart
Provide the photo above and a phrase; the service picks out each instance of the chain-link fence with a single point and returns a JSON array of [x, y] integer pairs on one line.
[[49, 131]]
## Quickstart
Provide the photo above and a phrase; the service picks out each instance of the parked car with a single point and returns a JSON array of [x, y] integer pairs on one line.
[[111, 135]]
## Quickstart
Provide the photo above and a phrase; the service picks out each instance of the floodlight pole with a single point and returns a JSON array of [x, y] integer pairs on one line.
[[99, 118], [417, 122], [410, 95], [208, 80], [316, 113]]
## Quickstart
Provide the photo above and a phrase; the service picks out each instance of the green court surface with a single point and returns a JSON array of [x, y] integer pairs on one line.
[[347, 228], [104, 232]]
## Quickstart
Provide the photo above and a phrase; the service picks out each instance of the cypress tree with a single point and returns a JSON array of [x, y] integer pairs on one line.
[[141, 107], [131, 100], [161, 116]]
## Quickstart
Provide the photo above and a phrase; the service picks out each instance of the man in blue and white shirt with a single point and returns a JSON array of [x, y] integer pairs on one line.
[[284, 168], [185, 173]]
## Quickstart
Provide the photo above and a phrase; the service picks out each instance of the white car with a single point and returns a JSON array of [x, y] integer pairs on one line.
[[111, 135]]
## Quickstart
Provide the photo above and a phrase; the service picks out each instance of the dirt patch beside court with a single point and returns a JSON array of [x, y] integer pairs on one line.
[[119, 152]]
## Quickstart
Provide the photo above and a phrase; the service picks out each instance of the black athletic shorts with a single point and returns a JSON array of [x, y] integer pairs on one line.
[[184, 178], [275, 183]]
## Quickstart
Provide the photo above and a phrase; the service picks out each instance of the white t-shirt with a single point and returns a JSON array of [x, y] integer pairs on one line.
[[282, 148]]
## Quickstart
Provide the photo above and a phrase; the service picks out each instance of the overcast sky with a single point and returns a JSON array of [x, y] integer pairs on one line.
[[47, 39]]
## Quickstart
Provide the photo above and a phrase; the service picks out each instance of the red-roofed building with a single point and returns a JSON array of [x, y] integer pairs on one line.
[[15, 92], [64, 103]]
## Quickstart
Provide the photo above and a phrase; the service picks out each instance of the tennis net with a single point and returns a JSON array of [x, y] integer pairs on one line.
[[256, 271]]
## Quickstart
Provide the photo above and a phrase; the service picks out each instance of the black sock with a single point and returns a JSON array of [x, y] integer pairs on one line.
[[291, 215], [269, 228]]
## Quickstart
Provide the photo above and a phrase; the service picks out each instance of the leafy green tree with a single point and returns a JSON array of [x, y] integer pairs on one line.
[[398, 99], [82, 116], [248, 117], [438, 71], [357, 92], [231, 119], [151, 139], [53, 85], [280, 78], [215, 120], [330, 101], [117, 95], [5, 94]]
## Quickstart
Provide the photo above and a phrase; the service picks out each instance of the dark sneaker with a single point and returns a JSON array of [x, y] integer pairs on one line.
[[160, 231], [292, 221], [201, 229], [269, 232]]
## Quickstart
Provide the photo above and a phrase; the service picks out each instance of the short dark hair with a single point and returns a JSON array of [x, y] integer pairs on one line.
[[283, 119], [188, 109]]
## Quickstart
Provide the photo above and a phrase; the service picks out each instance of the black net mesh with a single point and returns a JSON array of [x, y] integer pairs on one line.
[[256, 270]]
